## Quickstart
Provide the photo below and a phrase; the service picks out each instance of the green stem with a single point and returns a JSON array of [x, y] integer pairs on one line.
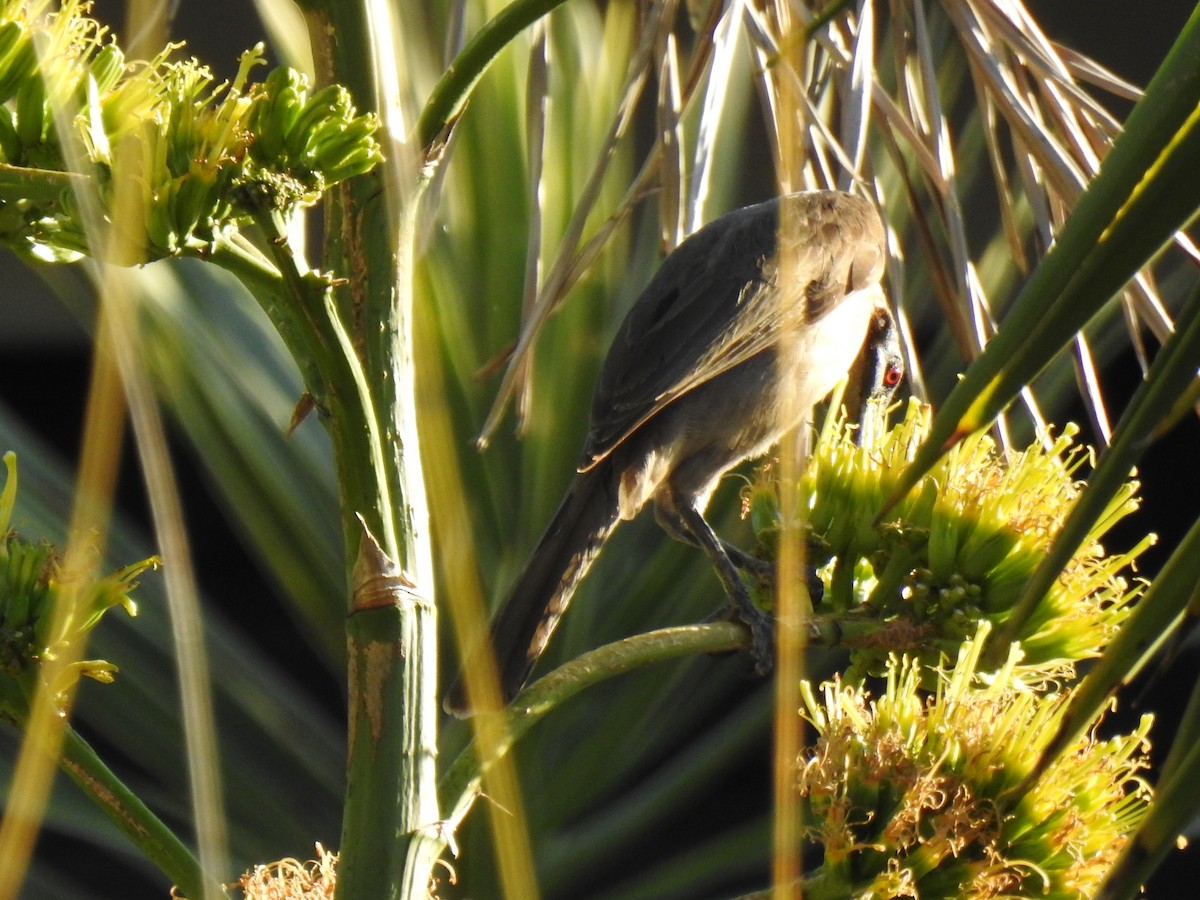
[[460, 785], [841, 586], [22, 184], [354, 406], [889, 581], [134, 819], [450, 94], [301, 306], [385, 814], [265, 283]]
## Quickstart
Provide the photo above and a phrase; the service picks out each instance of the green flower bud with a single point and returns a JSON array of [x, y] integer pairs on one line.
[[10, 143], [19, 62], [328, 102], [107, 67], [31, 111]]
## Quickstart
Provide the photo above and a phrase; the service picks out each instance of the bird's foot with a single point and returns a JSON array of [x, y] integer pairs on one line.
[[762, 631], [762, 572]]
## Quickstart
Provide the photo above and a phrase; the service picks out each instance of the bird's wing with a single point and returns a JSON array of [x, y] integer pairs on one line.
[[716, 302]]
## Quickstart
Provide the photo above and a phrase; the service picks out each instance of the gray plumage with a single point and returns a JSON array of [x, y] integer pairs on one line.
[[700, 377]]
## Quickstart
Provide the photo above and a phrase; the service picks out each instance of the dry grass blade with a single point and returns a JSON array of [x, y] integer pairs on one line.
[[1030, 132], [1089, 388], [897, 121], [1130, 316], [1059, 134], [940, 280], [1087, 70], [837, 164], [1039, 422], [591, 250], [767, 52], [1033, 184], [1008, 219], [856, 95], [1188, 246], [1144, 301], [927, 93], [1069, 120], [826, 161], [1021, 35], [702, 51], [986, 322]]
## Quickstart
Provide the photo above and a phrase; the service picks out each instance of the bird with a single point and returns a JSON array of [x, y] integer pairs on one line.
[[746, 325]]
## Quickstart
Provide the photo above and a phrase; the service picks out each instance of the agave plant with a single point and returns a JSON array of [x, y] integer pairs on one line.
[[531, 164]]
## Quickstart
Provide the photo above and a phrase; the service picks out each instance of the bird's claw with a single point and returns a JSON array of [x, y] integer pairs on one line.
[[762, 644], [762, 632], [762, 572]]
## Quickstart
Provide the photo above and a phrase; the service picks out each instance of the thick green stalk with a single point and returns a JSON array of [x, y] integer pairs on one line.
[[390, 819], [353, 346]]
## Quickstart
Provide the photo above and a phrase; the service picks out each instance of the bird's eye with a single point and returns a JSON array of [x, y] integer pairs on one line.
[[892, 376]]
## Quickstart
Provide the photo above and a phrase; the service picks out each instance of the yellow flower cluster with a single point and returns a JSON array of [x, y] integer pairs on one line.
[[79, 124], [957, 550], [31, 588], [913, 795], [917, 788]]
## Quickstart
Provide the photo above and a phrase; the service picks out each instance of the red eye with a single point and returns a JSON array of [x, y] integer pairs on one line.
[[892, 376]]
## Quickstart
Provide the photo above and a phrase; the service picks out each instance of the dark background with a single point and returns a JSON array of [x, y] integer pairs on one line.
[[45, 359]]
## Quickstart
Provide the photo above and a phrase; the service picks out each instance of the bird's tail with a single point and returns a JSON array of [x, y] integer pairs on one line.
[[522, 627]]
